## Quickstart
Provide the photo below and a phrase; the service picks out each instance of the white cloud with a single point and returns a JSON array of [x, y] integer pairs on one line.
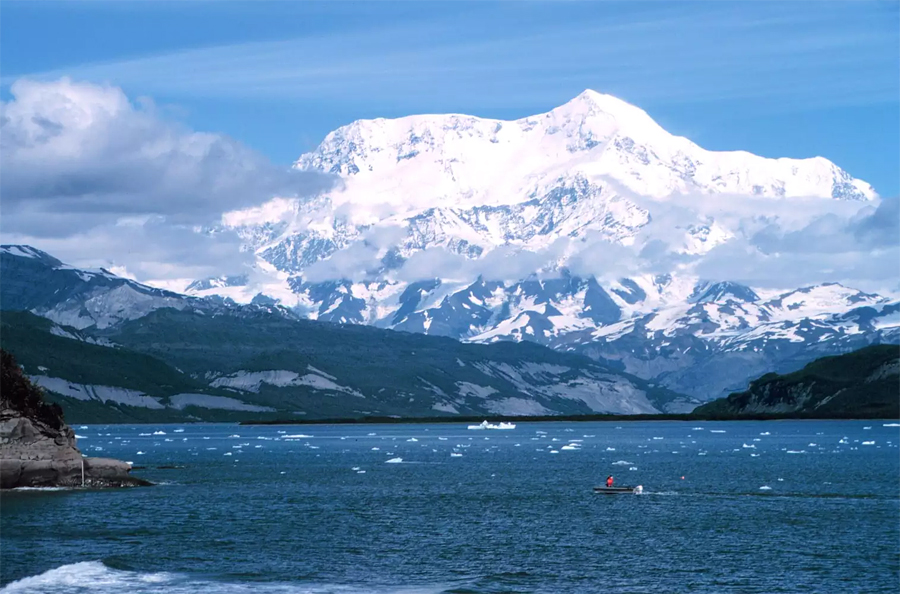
[[89, 175]]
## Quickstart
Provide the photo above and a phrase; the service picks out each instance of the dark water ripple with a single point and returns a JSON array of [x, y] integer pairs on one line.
[[292, 516]]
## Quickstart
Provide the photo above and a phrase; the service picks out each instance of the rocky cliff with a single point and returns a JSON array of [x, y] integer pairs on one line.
[[37, 448], [861, 384]]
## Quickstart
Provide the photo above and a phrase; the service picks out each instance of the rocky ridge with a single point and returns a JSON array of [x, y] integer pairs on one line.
[[38, 449]]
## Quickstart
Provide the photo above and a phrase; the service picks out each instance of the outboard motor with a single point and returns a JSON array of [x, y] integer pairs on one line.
[[638, 490]]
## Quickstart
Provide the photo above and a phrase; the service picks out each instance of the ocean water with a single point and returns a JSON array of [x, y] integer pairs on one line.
[[790, 506]]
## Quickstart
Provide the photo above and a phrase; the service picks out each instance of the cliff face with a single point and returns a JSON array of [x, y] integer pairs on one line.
[[863, 384], [37, 448]]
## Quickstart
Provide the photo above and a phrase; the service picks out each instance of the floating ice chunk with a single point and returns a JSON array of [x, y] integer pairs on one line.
[[866, 428], [632, 468], [167, 439], [765, 433], [885, 425], [657, 438], [569, 447], [144, 434], [394, 461], [765, 488], [697, 429], [159, 433], [360, 472], [235, 435], [610, 449], [554, 451], [80, 436], [868, 443], [375, 449], [486, 425], [140, 453], [298, 436], [748, 446], [209, 449], [754, 455], [227, 454], [812, 445], [83, 427], [442, 438], [796, 451], [717, 431], [455, 455], [412, 439], [355, 468], [283, 472], [371, 434], [178, 431], [622, 463]]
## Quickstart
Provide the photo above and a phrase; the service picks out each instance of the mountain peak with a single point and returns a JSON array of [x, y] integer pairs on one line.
[[607, 116]]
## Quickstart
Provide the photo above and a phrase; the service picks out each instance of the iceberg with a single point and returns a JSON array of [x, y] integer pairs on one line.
[[486, 425]]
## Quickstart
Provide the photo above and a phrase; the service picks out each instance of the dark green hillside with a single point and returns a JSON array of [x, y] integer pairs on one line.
[[864, 383], [303, 369], [29, 337], [369, 359]]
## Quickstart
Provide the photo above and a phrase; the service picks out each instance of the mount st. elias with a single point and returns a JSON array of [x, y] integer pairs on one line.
[[577, 229], [486, 230]]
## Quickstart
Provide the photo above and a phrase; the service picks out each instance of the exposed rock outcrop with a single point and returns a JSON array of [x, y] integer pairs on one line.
[[861, 384], [37, 448]]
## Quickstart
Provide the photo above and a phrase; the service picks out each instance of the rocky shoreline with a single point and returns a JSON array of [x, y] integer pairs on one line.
[[38, 449]]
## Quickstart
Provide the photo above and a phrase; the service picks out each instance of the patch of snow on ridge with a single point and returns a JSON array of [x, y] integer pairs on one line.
[[516, 406], [467, 389], [320, 383], [19, 250], [181, 401], [99, 393], [250, 381]]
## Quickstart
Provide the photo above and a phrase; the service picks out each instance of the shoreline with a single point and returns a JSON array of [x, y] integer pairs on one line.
[[378, 420]]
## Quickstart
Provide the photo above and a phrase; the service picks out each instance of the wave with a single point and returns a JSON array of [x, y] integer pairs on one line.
[[95, 577]]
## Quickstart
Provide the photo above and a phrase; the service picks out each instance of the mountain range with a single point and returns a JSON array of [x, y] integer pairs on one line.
[[113, 350], [487, 230]]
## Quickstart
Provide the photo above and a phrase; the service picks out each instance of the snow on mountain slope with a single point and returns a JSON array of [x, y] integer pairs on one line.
[[487, 230], [464, 161], [469, 185]]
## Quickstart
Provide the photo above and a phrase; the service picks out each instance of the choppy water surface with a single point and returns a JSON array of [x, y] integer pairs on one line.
[[727, 507]]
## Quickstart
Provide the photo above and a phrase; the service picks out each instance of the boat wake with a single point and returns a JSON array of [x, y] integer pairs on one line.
[[95, 577]]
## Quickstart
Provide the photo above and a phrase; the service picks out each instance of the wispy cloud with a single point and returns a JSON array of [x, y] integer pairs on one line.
[[829, 53]]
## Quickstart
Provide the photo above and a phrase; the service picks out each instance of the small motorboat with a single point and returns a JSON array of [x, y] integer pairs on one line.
[[617, 490]]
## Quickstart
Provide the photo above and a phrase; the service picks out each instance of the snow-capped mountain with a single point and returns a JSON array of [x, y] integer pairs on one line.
[[487, 230], [470, 185], [148, 350], [33, 280]]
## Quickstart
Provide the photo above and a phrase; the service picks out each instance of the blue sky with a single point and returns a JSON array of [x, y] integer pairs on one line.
[[778, 79]]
